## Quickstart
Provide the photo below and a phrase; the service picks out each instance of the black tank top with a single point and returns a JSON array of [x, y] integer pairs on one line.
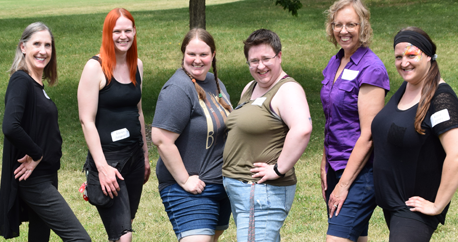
[[117, 114]]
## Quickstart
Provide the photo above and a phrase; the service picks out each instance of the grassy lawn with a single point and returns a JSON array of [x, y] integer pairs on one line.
[[161, 25]]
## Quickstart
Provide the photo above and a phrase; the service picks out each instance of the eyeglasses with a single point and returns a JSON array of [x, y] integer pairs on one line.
[[265, 60], [350, 27]]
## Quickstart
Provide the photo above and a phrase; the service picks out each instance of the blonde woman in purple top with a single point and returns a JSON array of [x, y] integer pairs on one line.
[[354, 87]]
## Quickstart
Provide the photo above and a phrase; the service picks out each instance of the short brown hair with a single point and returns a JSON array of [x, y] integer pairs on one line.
[[262, 36]]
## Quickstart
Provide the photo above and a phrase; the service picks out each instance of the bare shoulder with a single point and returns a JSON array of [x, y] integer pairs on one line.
[[290, 93], [246, 87], [291, 89], [92, 66], [92, 74], [292, 84]]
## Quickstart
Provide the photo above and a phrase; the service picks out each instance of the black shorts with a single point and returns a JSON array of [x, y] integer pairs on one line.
[[403, 229], [117, 218]]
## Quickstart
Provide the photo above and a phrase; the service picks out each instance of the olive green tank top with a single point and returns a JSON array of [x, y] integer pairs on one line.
[[255, 134]]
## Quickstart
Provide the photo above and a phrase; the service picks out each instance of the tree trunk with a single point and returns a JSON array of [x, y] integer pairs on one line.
[[196, 14]]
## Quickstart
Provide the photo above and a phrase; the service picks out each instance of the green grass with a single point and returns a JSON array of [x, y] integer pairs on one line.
[[161, 26]]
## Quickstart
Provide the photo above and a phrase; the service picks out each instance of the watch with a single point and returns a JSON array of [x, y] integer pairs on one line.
[[276, 170]]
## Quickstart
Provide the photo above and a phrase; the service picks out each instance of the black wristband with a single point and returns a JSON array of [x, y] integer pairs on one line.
[[276, 171]]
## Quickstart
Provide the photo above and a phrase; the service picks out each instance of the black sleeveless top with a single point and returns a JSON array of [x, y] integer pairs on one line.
[[117, 114]]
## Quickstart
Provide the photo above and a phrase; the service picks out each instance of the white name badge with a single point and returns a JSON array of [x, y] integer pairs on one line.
[[440, 117], [259, 101], [349, 74], [120, 134]]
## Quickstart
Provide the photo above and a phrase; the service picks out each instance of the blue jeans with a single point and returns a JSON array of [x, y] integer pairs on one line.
[[196, 214], [271, 207]]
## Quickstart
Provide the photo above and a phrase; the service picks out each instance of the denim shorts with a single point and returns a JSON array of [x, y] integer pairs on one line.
[[271, 207], [353, 219], [196, 214]]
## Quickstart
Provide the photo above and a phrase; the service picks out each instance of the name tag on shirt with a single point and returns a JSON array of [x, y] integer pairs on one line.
[[440, 117], [349, 74], [120, 134], [259, 101], [46, 95]]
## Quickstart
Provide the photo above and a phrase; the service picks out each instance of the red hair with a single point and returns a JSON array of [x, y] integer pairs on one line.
[[107, 50]]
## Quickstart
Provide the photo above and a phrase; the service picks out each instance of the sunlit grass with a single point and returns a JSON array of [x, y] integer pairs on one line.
[[40, 8]]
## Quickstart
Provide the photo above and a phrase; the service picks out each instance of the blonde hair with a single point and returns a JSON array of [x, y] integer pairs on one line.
[[365, 32]]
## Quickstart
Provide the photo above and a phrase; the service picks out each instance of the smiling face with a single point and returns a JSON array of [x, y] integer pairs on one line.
[[349, 41], [265, 74], [198, 58], [37, 50], [123, 34], [411, 63]]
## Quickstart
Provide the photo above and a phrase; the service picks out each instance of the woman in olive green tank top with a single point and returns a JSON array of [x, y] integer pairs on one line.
[[267, 133]]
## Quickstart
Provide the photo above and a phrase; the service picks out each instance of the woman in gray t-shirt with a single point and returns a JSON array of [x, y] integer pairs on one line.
[[190, 133]]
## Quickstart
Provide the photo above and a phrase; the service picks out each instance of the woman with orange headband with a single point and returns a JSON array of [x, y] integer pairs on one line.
[[110, 111]]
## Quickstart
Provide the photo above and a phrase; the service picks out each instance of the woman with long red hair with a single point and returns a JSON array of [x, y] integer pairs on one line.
[[110, 111]]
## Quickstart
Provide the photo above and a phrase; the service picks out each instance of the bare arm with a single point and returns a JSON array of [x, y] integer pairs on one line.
[[142, 124], [165, 142], [88, 93], [371, 100], [291, 105], [324, 182], [449, 180]]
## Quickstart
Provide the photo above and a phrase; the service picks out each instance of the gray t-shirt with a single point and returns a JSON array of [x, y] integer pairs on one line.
[[201, 125]]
